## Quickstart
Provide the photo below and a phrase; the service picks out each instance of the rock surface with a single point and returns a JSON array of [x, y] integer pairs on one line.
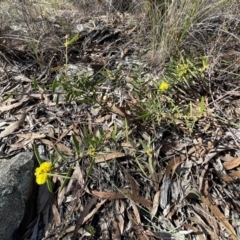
[[16, 181]]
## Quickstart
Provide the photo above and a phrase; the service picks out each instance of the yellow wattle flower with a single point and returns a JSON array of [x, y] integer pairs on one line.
[[42, 171], [46, 166], [41, 178], [164, 86], [149, 151]]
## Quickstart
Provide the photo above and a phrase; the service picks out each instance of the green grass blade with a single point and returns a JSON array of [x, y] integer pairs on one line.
[[72, 40], [76, 145], [202, 106], [37, 155], [49, 185], [140, 166], [66, 179]]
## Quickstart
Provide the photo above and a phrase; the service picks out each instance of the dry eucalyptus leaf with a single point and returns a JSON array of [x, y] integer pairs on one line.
[[235, 174], [220, 216], [231, 164], [4, 107], [116, 110], [155, 204], [173, 164], [118, 195], [31, 135], [56, 215], [13, 126], [108, 156]]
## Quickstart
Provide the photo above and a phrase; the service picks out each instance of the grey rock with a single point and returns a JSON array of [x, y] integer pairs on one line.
[[16, 181]]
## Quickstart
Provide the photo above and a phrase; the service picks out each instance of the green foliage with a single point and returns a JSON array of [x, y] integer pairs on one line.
[[54, 162], [115, 133], [49, 185], [156, 97], [91, 230], [95, 139], [35, 84], [140, 166], [69, 42], [76, 146], [186, 69], [93, 142], [148, 150], [78, 88], [66, 179], [194, 114], [37, 155], [59, 155]]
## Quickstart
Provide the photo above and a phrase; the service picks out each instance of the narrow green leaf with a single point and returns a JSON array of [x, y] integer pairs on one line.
[[7, 97], [76, 145], [140, 166], [35, 84], [143, 145], [190, 109], [192, 73], [55, 84], [90, 168], [59, 153], [150, 165], [66, 180], [49, 185], [72, 40], [202, 106], [52, 159], [114, 132], [87, 138], [37, 155]]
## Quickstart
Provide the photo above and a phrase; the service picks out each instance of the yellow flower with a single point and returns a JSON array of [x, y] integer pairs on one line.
[[42, 171], [92, 151], [46, 166], [41, 178], [164, 86], [38, 171], [149, 151]]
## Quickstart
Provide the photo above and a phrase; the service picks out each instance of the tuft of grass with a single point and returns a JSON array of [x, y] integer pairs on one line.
[[172, 21]]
